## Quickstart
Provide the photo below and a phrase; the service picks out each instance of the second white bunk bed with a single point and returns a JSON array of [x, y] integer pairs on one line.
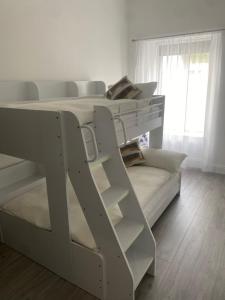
[[89, 212]]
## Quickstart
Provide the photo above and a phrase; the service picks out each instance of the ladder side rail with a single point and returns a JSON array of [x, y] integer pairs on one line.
[[107, 142], [96, 215], [116, 171]]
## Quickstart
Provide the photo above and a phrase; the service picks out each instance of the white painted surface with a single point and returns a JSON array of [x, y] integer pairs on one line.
[[160, 17], [57, 39]]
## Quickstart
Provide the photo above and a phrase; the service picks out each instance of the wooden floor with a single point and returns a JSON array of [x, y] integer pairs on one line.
[[190, 253]]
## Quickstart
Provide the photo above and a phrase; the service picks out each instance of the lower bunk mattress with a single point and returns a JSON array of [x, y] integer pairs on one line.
[[152, 186], [8, 161]]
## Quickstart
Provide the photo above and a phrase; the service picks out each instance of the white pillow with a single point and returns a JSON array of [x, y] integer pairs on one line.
[[148, 89], [164, 159]]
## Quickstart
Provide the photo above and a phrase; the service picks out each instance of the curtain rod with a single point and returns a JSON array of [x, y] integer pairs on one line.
[[174, 35]]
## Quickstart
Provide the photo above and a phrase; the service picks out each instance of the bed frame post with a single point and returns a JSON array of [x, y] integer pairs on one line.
[[56, 179], [1, 235], [156, 135], [57, 198]]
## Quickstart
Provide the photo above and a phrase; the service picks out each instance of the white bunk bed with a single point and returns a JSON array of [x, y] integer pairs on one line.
[[87, 212]]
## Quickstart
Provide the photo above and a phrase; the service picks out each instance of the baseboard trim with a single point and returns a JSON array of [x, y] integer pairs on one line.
[[219, 169]]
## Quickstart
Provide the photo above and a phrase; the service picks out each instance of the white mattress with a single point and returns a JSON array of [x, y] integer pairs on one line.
[[33, 205], [83, 107], [7, 161]]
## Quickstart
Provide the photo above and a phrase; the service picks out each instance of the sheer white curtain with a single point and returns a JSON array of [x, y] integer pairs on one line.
[[187, 69]]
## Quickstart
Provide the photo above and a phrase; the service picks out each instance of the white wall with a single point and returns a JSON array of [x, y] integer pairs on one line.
[[149, 18], [219, 159], [63, 39], [156, 18]]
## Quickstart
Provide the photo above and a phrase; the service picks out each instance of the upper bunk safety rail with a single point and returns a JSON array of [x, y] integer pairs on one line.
[[128, 125], [148, 110]]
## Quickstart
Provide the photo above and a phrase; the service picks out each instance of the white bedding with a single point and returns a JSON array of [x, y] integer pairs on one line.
[[83, 107], [7, 161], [33, 205]]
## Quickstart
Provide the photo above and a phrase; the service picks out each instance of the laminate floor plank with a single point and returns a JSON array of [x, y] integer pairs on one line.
[[197, 271], [199, 261], [171, 228]]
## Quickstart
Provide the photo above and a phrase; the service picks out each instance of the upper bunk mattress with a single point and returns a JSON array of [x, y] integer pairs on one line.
[[83, 107], [33, 205]]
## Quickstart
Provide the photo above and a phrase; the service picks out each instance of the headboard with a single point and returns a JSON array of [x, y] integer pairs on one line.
[[86, 88], [48, 89], [14, 90]]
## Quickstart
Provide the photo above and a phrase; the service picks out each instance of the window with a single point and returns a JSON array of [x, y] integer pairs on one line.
[[184, 81], [187, 69]]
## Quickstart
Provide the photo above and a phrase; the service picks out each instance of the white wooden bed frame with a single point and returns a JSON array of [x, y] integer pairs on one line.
[[23, 175], [51, 139]]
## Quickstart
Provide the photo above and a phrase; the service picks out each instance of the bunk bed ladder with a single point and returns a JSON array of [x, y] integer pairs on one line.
[[133, 232], [128, 248]]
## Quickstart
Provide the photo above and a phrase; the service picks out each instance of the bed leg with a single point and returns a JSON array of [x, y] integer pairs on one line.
[[1, 235], [152, 269], [129, 296], [178, 194]]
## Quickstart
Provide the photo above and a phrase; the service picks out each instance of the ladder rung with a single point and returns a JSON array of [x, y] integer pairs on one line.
[[101, 159], [114, 195], [128, 231]]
